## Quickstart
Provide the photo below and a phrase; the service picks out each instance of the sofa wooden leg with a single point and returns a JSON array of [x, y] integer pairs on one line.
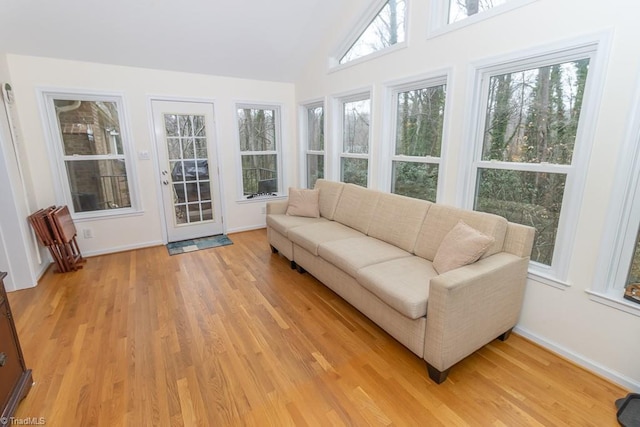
[[506, 335], [293, 265], [437, 376], [300, 269], [273, 249]]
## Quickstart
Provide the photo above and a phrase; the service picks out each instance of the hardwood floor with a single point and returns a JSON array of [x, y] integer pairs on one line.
[[233, 336]]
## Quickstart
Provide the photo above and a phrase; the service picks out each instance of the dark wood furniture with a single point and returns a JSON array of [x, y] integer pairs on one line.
[[15, 378]]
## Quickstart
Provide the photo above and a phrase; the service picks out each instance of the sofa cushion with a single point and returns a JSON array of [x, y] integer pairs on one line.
[[283, 223], [330, 192], [311, 236], [441, 219], [401, 283], [397, 220], [350, 255], [356, 206], [461, 246], [303, 202]]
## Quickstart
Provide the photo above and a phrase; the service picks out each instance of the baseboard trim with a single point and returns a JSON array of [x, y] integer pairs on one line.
[[43, 268], [580, 360], [122, 248], [249, 228]]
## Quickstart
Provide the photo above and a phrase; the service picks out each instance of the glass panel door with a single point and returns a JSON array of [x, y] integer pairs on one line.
[[186, 140], [184, 133]]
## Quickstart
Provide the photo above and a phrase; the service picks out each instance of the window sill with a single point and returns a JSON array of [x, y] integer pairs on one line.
[[262, 199], [613, 298], [548, 280], [100, 215]]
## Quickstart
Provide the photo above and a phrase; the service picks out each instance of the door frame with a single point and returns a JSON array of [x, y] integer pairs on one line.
[[157, 168]]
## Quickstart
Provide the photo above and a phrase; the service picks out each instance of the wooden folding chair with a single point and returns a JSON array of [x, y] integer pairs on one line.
[[41, 226], [64, 232]]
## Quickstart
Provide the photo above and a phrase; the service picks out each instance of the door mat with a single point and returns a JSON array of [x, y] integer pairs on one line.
[[192, 245], [629, 410]]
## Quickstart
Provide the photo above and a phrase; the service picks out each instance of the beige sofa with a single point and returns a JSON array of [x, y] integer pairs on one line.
[[376, 250]]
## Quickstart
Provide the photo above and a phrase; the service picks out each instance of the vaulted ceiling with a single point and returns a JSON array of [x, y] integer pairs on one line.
[[265, 40]]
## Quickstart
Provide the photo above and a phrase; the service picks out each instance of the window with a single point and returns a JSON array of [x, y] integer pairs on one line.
[[314, 141], [93, 151], [259, 134], [619, 256], [385, 30], [450, 15], [633, 278], [354, 159], [526, 166], [419, 119], [461, 9]]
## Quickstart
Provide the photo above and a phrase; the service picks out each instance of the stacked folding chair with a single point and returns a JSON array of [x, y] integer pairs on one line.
[[55, 229]]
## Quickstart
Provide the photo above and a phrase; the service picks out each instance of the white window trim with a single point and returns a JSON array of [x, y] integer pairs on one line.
[[596, 47], [356, 30], [278, 108], [338, 134], [303, 119], [393, 88], [45, 96], [335, 66], [439, 17], [621, 227]]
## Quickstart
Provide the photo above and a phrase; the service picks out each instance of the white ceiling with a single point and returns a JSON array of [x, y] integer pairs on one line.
[[259, 39]]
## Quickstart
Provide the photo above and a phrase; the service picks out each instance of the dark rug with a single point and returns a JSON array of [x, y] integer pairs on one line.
[[629, 410], [197, 244]]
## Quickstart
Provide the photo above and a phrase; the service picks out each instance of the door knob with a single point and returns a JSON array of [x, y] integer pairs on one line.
[[164, 172], [3, 359], [165, 182]]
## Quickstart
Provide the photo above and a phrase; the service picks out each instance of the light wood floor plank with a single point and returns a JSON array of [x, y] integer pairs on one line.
[[232, 336]]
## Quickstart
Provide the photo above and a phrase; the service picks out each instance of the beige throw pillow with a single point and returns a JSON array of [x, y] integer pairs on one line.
[[461, 246], [303, 202]]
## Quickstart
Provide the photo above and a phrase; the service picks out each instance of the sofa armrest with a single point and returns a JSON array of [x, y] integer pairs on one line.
[[277, 207], [470, 306]]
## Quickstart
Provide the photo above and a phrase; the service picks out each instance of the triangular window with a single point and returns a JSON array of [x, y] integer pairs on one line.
[[386, 29]]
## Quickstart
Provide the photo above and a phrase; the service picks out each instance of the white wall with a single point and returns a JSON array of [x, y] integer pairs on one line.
[[137, 85], [20, 255], [596, 336]]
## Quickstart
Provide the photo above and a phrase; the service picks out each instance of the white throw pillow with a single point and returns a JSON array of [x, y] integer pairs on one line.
[[304, 202], [461, 246]]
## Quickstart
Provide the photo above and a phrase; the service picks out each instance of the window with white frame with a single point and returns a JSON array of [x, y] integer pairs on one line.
[[419, 119], [448, 15], [259, 136], [92, 147], [619, 266], [354, 158], [386, 29], [461, 9], [528, 142], [314, 143]]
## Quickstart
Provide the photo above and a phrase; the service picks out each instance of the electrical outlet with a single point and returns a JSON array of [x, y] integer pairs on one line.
[[87, 233], [263, 210]]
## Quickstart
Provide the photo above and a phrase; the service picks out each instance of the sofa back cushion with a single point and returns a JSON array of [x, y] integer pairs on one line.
[[356, 207], [330, 192], [397, 220], [441, 219]]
